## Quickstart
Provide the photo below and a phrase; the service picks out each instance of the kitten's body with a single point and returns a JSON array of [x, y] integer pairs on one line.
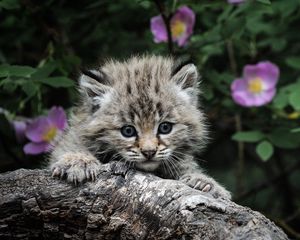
[[143, 111]]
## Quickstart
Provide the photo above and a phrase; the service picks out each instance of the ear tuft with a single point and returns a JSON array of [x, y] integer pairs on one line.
[[186, 78], [93, 82], [99, 76], [93, 85], [179, 64]]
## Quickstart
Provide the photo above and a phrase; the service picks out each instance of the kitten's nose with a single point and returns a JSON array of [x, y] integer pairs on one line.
[[149, 153]]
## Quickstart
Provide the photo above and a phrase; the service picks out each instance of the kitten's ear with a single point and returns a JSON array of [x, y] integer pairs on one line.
[[186, 77], [93, 85]]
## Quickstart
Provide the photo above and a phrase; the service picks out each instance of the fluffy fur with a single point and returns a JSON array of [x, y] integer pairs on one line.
[[142, 92]]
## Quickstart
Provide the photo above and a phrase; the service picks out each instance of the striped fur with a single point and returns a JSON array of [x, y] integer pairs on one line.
[[141, 92]]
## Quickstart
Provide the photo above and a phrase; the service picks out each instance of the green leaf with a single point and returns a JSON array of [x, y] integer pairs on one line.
[[295, 130], [286, 8], [256, 25], [29, 88], [57, 82], [248, 136], [281, 100], [8, 85], [294, 99], [44, 71], [233, 26], [277, 44], [16, 71], [268, 2], [293, 62], [9, 4], [284, 138], [21, 71], [3, 70], [264, 150]]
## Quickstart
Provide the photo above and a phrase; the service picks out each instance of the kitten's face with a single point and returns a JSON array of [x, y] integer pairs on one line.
[[151, 137], [148, 115]]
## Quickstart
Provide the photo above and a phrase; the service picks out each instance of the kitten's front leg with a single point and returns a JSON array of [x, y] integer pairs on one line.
[[77, 166], [204, 183], [71, 159], [193, 177]]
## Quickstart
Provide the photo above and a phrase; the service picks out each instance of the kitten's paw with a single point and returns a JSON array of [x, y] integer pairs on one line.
[[205, 184], [77, 167]]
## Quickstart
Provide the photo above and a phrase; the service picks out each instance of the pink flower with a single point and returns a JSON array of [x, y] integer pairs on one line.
[[182, 24], [42, 130], [235, 1], [20, 128], [257, 87]]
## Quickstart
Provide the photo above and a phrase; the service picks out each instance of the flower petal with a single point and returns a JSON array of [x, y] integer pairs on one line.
[[267, 71], [57, 117], [243, 98], [37, 128], [247, 99], [20, 128], [268, 95], [239, 84], [36, 148], [158, 29], [266, 74], [187, 16]]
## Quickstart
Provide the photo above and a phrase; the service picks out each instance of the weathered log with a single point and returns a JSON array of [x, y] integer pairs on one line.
[[121, 204]]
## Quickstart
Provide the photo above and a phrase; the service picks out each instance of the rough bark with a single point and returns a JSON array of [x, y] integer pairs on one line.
[[121, 204]]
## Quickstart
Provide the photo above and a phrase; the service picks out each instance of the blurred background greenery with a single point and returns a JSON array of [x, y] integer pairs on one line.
[[254, 152]]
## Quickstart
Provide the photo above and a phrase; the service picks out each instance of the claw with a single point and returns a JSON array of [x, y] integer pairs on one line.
[[206, 188], [55, 172], [75, 181], [92, 176], [62, 173], [76, 167], [197, 185]]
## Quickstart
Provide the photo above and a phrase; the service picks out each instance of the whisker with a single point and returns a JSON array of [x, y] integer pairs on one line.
[[164, 149], [175, 167], [182, 154], [164, 167], [132, 151], [169, 168]]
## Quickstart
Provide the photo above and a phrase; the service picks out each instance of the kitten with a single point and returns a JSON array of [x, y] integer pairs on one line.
[[143, 111]]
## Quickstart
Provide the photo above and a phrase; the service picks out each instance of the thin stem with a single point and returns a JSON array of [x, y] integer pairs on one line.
[[238, 124], [167, 19], [174, 5], [231, 56], [241, 157], [284, 187]]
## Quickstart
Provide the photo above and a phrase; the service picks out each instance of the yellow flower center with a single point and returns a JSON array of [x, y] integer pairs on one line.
[[177, 28], [255, 85], [293, 115], [50, 134]]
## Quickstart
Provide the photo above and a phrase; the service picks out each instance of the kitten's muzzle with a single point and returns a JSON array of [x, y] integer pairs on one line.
[[149, 154]]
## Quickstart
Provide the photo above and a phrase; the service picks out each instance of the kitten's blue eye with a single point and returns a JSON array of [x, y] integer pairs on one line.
[[128, 131], [165, 128]]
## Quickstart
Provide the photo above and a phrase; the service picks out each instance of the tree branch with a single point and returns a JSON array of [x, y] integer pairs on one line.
[[121, 204]]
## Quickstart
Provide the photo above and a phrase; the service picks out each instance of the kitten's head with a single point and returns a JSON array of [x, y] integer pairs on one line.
[[144, 110]]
